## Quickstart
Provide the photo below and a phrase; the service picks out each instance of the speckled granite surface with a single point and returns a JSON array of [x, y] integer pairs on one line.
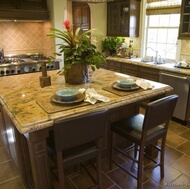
[[165, 67], [19, 95]]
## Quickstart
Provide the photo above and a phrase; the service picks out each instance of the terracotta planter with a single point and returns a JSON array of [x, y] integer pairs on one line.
[[78, 74]]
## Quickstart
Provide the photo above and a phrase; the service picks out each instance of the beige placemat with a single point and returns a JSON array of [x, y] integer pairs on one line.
[[50, 107], [120, 92]]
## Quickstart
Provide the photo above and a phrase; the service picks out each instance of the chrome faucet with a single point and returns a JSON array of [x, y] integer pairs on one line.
[[156, 57]]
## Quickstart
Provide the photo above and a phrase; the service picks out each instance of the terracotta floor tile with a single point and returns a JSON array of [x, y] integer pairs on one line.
[[172, 155], [170, 175], [186, 134], [183, 165], [10, 170], [181, 182], [176, 128], [4, 155], [185, 148], [151, 184], [174, 140], [13, 184], [1, 142], [124, 180]]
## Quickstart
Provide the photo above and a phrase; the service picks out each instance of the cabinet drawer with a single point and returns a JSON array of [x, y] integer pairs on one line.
[[149, 73], [114, 64], [130, 69]]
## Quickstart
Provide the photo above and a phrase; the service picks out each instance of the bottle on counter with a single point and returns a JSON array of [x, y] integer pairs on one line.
[[130, 48]]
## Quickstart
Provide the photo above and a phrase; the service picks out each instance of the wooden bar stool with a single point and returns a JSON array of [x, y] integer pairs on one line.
[[77, 140], [142, 131]]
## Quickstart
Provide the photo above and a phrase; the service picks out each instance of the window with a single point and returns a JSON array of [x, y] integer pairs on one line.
[[161, 35]]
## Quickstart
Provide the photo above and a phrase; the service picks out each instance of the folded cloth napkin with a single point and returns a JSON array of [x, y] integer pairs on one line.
[[92, 96], [144, 84]]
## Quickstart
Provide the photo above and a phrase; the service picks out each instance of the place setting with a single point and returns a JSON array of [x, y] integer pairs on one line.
[[68, 98], [128, 86]]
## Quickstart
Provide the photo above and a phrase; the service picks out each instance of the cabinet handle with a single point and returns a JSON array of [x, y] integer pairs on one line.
[[176, 76]]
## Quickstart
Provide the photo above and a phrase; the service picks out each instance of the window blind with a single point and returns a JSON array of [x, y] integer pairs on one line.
[[155, 7]]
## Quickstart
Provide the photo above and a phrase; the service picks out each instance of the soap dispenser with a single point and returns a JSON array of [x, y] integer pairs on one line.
[[130, 48]]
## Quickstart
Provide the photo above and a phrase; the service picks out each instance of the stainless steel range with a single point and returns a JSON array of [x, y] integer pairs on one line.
[[25, 63]]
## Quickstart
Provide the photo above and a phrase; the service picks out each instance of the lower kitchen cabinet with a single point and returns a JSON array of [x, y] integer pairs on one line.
[[133, 70], [2, 127], [112, 65], [130, 69], [149, 73], [16, 145]]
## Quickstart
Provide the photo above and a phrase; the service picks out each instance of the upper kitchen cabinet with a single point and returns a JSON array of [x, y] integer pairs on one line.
[[23, 10], [123, 18], [184, 29], [81, 16]]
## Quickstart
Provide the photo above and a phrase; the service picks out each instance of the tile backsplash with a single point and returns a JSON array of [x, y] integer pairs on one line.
[[26, 37], [31, 37]]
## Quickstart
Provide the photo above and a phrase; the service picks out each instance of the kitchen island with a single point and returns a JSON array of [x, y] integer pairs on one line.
[[27, 115]]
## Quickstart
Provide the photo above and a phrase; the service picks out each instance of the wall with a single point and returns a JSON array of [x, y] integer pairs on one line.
[[30, 37], [25, 37]]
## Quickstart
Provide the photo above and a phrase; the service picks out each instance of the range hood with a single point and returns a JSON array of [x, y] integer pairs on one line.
[[23, 10], [24, 14]]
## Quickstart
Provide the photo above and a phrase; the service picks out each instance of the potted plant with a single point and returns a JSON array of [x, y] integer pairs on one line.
[[110, 44], [79, 53]]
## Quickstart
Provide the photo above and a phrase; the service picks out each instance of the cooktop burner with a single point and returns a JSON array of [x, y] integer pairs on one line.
[[26, 63], [11, 60]]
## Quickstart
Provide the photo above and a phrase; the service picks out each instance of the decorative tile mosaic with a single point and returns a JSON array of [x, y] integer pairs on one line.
[[26, 37]]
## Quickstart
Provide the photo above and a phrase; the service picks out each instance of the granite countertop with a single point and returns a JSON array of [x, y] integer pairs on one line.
[[21, 96], [164, 67]]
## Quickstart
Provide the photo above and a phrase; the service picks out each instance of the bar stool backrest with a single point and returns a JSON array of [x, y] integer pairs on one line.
[[159, 112]]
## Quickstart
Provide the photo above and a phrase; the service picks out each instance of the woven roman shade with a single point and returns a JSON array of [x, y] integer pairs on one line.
[[155, 7]]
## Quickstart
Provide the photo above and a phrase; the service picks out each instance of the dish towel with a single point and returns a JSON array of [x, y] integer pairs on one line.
[[144, 84], [92, 96]]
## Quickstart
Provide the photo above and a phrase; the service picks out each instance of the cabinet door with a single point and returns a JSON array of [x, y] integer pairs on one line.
[[123, 18], [2, 127], [130, 69], [184, 30], [148, 73], [114, 66], [113, 23], [81, 16]]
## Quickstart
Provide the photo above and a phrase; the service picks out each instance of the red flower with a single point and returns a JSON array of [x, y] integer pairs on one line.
[[67, 25]]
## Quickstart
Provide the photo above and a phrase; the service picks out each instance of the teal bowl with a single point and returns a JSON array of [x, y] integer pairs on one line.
[[67, 94], [126, 83]]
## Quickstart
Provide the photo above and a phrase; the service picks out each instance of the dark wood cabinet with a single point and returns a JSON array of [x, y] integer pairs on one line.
[[24, 9], [81, 16], [149, 73], [123, 18], [133, 70], [114, 66], [130, 69], [184, 29]]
